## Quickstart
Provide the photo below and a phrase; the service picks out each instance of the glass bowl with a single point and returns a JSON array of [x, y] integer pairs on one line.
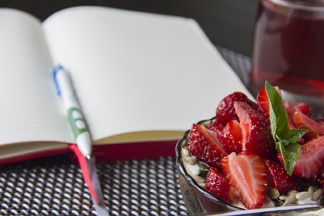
[[197, 200], [200, 202]]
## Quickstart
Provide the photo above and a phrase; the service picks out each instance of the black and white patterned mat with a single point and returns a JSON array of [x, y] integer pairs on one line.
[[54, 185]]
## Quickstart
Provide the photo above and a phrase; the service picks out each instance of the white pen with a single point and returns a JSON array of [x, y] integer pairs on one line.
[[75, 117], [82, 136]]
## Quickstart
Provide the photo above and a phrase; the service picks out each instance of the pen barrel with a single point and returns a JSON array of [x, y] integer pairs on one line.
[[83, 141], [80, 130], [66, 90], [75, 117], [77, 122]]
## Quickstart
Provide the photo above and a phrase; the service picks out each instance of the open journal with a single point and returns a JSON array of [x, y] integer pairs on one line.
[[141, 79]]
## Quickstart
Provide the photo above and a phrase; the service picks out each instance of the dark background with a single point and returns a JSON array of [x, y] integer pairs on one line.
[[228, 23]]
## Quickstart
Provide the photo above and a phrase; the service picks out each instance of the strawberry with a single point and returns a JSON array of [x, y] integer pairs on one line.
[[218, 185], [320, 121], [225, 109], [215, 126], [316, 180], [322, 180], [263, 100], [256, 132], [204, 144], [311, 158], [313, 127], [231, 137], [264, 106], [293, 107], [278, 177], [247, 173]]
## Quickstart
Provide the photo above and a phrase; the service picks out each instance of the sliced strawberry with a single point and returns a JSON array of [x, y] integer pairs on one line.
[[263, 101], [316, 180], [231, 137], [320, 121], [204, 144], [215, 126], [256, 132], [218, 185], [292, 107], [264, 106], [225, 109], [279, 179], [247, 173], [322, 180], [311, 158], [313, 127], [291, 123]]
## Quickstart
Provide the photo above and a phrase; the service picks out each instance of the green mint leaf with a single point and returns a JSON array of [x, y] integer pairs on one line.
[[294, 135], [278, 116], [286, 139], [290, 153]]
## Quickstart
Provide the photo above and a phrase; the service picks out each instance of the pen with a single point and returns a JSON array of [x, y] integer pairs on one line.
[[81, 134], [74, 115]]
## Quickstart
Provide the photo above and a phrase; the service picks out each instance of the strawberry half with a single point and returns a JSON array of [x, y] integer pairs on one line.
[[215, 126], [225, 109], [204, 144], [218, 185], [292, 107], [313, 127], [247, 173], [231, 137], [256, 132], [263, 101], [322, 180], [278, 177], [311, 158]]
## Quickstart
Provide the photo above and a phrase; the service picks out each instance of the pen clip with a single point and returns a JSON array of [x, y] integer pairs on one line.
[[56, 69]]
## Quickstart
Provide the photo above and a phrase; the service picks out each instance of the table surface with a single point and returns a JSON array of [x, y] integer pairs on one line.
[[54, 185]]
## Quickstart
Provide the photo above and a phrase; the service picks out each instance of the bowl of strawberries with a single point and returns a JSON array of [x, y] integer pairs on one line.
[[267, 153]]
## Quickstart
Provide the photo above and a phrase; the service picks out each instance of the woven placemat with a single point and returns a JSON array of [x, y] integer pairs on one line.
[[240, 64], [54, 185]]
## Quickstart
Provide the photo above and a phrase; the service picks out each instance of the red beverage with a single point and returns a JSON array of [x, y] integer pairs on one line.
[[289, 47]]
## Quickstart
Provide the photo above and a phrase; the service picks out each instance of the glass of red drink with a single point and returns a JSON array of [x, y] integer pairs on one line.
[[288, 48]]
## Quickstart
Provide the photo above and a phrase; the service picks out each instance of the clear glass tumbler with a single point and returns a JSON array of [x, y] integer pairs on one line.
[[288, 48]]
